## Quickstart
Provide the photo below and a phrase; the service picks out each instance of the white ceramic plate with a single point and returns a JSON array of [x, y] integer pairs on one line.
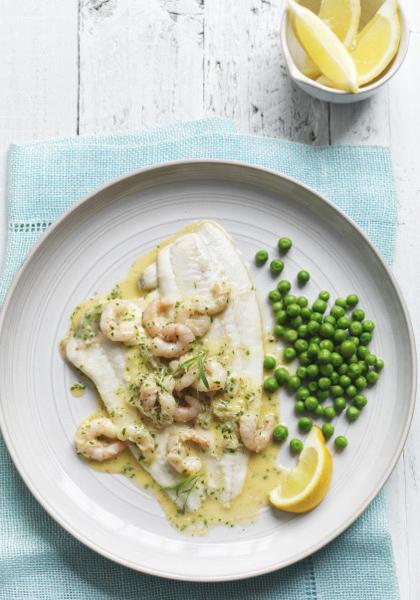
[[91, 248]]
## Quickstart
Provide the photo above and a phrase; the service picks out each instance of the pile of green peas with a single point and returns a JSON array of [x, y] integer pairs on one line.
[[331, 345]]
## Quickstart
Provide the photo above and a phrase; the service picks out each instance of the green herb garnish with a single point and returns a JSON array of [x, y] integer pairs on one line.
[[199, 360], [183, 488]]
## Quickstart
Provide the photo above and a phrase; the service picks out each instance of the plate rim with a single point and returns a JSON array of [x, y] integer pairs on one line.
[[356, 513]]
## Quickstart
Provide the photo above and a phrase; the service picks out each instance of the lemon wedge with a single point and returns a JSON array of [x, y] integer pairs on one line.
[[305, 486], [342, 17], [377, 44], [323, 47]]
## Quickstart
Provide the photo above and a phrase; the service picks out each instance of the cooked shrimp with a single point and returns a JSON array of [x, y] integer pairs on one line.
[[253, 438], [199, 324], [98, 439], [178, 456], [174, 340], [121, 321], [188, 410], [215, 375], [153, 316], [156, 401], [139, 435]]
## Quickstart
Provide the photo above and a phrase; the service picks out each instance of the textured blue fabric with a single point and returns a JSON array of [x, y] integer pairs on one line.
[[39, 560]]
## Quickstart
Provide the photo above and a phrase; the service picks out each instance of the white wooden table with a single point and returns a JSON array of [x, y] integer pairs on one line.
[[88, 66]]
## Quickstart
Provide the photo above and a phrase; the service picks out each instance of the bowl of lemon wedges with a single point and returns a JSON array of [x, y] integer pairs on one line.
[[343, 50]]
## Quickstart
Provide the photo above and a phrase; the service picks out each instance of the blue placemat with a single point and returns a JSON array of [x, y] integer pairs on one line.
[[38, 559]]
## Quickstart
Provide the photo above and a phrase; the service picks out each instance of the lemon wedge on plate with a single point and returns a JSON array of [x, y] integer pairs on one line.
[[377, 44], [305, 486], [323, 47], [342, 17]]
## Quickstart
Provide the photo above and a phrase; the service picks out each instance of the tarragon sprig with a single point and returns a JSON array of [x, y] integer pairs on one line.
[[199, 360], [184, 487]]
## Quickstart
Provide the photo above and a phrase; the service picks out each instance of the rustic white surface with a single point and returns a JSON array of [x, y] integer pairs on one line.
[[86, 66]]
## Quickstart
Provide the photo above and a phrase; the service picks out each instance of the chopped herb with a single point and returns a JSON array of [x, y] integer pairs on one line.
[[183, 488]]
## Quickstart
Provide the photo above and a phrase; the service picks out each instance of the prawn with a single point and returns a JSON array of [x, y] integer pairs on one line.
[[121, 321], [177, 451], [174, 340], [188, 410], [215, 375], [156, 401], [153, 319], [98, 439], [139, 435], [253, 438]]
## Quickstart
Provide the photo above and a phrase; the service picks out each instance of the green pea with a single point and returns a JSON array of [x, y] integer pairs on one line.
[[339, 336], [336, 359], [302, 301], [352, 359], [270, 384], [368, 326], [329, 413], [305, 424], [282, 375], [322, 395], [302, 394], [347, 349], [284, 244], [356, 328], [290, 335], [303, 331], [360, 401], [277, 306], [340, 442], [293, 310], [326, 345], [339, 403], [312, 371], [363, 367], [343, 323], [337, 312], [306, 313], [362, 352], [324, 356], [342, 369], [372, 377], [296, 322], [303, 277], [358, 315], [311, 403], [313, 327], [326, 370], [336, 390], [341, 302], [294, 382], [304, 359], [296, 446], [274, 296], [281, 317], [276, 266], [278, 331], [351, 391], [313, 350], [379, 365], [313, 386], [269, 362], [352, 300], [370, 360], [317, 316], [360, 382], [261, 257], [299, 407], [300, 346], [327, 430], [280, 433], [301, 372], [330, 319], [319, 412], [289, 299], [327, 330], [354, 370], [352, 413], [324, 295], [324, 383], [354, 339], [319, 306], [289, 354], [344, 381], [334, 378], [315, 339], [365, 338], [284, 286]]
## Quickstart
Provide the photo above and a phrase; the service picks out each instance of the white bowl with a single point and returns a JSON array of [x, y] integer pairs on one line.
[[322, 92]]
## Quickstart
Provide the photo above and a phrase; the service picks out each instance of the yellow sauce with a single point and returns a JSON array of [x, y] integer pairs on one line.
[[77, 389], [262, 475]]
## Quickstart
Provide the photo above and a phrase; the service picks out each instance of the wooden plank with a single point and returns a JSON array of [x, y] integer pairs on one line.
[[245, 76], [140, 63], [405, 135], [38, 75]]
